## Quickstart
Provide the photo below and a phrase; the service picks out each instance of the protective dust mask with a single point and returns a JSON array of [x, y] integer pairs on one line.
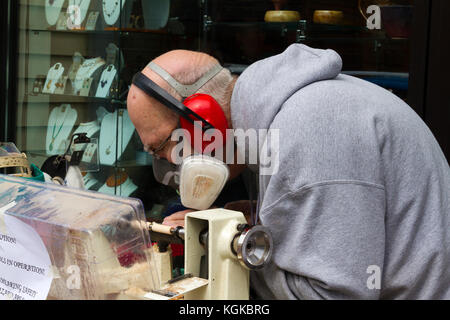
[[202, 178]]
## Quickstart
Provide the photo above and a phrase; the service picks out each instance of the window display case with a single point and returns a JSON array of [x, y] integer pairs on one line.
[[374, 42], [75, 60]]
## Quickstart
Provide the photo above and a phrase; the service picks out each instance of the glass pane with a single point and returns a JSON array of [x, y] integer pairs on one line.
[[76, 60], [372, 37], [75, 64]]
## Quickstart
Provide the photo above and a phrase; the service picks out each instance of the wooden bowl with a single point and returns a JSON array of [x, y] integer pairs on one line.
[[328, 17], [282, 16]]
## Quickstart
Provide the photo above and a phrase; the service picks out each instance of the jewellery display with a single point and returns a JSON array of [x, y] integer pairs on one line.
[[89, 181], [86, 71], [78, 60], [89, 153], [106, 80], [53, 76], [112, 146], [61, 85], [90, 128], [38, 84], [120, 184], [60, 125], [52, 10], [111, 10], [86, 88], [77, 12]]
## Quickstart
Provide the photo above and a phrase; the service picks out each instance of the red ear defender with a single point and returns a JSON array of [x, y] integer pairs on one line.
[[209, 109]]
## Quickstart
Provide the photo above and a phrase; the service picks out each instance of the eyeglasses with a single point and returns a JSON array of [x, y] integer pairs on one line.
[[154, 152]]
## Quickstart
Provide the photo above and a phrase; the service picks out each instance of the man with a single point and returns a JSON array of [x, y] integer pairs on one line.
[[359, 206]]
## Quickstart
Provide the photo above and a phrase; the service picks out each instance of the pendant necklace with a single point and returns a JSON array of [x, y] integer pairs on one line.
[[119, 131], [111, 10], [106, 81], [65, 111]]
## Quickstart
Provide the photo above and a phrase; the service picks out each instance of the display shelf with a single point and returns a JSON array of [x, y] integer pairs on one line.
[[66, 98], [42, 155], [233, 31], [309, 31], [125, 32]]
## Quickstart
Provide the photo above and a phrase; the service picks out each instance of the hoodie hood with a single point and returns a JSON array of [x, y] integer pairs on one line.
[[264, 87]]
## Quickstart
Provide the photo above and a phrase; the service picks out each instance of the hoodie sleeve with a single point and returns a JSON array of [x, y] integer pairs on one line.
[[329, 243]]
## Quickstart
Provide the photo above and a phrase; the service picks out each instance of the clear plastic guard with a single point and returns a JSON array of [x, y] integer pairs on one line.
[[104, 238]]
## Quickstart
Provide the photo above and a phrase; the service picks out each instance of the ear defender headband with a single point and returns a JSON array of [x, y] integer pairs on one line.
[[196, 107]]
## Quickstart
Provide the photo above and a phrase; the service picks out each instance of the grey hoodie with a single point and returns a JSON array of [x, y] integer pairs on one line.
[[359, 208]]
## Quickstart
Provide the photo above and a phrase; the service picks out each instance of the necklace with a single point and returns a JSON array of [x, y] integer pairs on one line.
[[85, 71], [119, 123], [106, 81], [64, 110], [52, 10], [119, 133], [110, 10]]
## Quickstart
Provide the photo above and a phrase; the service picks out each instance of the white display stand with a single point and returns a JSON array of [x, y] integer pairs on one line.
[[60, 124], [106, 80], [53, 10], [156, 13], [90, 128], [53, 76], [79, 11], [89, 181], [101, 112], [114, 125], [124, 190], [111, 10], [89, 153], [85, 72]]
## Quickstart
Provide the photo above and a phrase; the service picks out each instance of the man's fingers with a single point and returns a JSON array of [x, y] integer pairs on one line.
[[176, 219], [174, 223]]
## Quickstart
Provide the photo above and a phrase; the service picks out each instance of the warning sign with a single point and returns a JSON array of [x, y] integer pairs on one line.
[[25, 266]]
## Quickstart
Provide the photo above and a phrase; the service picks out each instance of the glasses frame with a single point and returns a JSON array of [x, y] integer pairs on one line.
[[154, 152]]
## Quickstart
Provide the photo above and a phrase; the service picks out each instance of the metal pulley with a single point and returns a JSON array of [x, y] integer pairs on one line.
[[253, 246]]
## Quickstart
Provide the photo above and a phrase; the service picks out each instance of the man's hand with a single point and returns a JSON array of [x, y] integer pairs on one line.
[[176, 219]]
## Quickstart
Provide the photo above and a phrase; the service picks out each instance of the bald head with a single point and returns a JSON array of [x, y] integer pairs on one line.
[[154, 121]]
